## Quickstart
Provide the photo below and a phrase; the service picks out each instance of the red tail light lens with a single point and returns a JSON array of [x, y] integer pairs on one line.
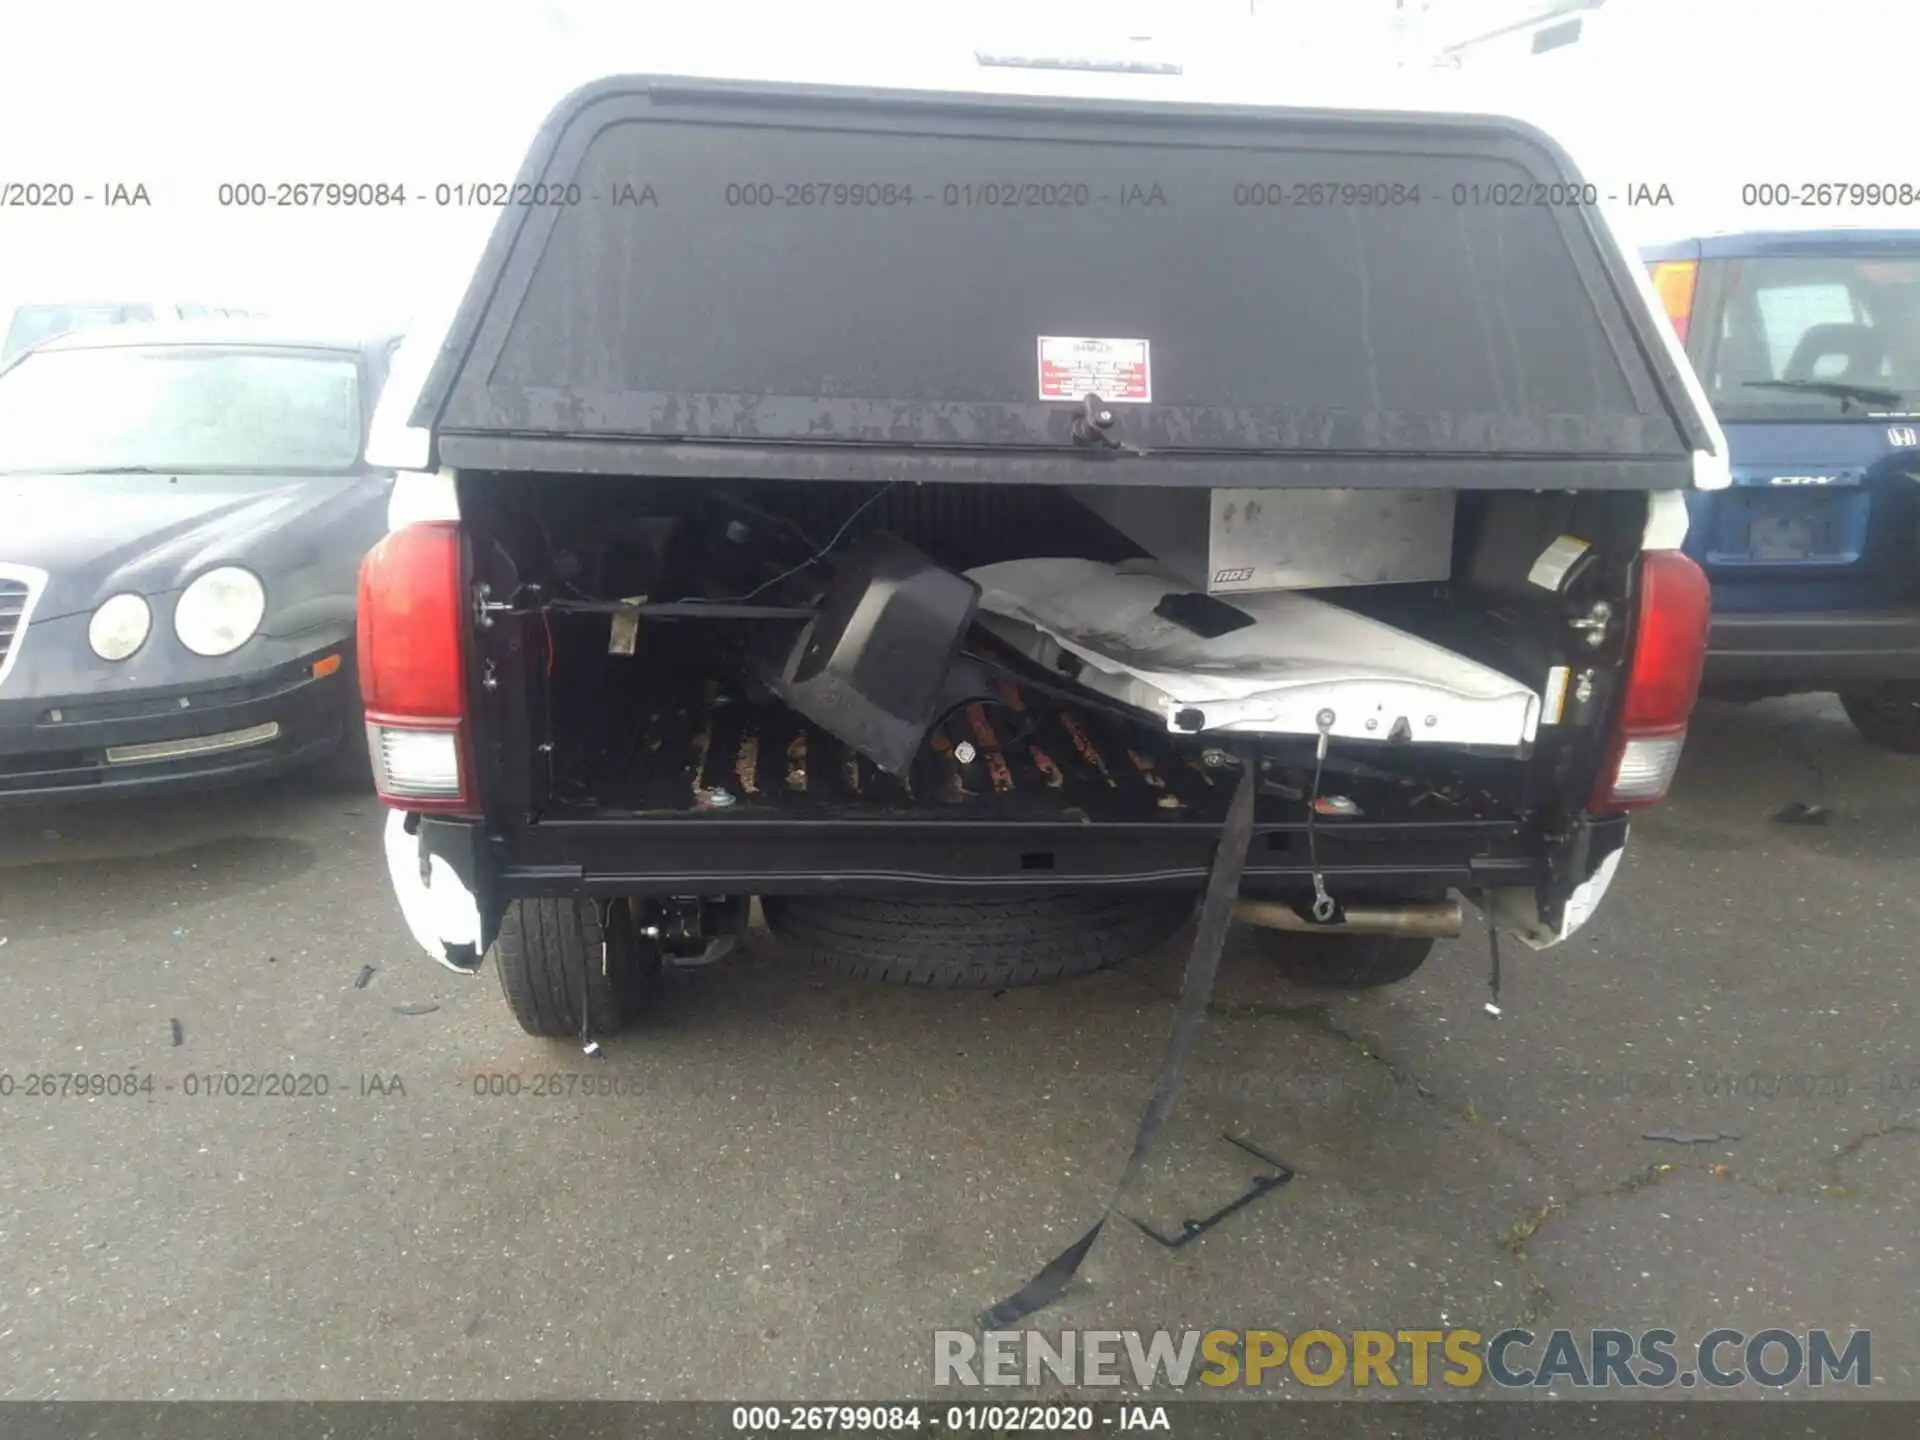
[[1663, 681], [1673, 282], [412, 676]]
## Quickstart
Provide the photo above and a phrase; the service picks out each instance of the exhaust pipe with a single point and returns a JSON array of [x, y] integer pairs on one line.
[[1437, 920]]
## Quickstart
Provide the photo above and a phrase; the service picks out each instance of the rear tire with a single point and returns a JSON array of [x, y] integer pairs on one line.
[[545, 945], [986, 944], [1888, 717], [1341, 962]]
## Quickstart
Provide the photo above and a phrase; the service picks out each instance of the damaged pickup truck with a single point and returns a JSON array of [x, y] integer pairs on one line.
[[920, 511]]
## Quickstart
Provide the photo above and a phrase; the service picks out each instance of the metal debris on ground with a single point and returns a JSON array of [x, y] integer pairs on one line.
[[423, 1008], [1191, 1230], [366, 974], [179, 1033], [1690, 1137]]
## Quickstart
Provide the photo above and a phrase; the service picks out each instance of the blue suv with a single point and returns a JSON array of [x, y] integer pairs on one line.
[[1808, 346]]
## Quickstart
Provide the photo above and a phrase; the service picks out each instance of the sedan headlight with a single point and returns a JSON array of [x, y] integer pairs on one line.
[[119, 627], [219, 612]]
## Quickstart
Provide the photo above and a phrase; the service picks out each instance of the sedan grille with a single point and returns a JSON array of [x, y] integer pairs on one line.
[[19, 588]]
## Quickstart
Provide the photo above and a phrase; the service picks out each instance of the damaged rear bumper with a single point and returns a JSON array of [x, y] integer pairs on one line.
[[454, 879]]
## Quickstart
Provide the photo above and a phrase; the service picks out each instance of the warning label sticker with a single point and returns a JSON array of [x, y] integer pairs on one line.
[[1072, 368]]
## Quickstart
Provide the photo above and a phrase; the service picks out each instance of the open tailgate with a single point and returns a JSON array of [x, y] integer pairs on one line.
[[715, 278]]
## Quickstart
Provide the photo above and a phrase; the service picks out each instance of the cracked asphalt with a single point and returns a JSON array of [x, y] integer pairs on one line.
[[804, 1177]]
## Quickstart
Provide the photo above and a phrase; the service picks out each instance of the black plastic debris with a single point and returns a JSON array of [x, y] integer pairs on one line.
[[874, 666], [366, 974], [1690, 1137], [179, 1033], [1800, 813], [423, 1008]]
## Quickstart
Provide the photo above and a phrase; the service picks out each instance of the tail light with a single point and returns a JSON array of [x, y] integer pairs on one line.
[[412, 676], [1663, 679], [1673, 282]]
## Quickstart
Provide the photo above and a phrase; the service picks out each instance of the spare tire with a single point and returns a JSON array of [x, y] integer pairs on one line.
[[983, 944]]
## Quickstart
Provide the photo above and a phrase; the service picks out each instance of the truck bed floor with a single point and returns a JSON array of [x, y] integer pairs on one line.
[[1031, 758]]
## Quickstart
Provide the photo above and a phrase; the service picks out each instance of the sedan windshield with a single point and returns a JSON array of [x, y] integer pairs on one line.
[[180, 409]]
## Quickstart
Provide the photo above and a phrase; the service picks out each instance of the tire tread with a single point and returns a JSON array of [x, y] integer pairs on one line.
[[982, 944], [1889, 721], [539, 953]]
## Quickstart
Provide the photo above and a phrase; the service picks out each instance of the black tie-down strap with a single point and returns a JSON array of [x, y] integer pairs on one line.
[[1203, 962]]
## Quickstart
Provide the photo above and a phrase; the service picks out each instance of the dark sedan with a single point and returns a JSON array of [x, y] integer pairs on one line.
[[183, 510]]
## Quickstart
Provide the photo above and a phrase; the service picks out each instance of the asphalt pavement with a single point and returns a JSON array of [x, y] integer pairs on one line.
[[801, 1178]]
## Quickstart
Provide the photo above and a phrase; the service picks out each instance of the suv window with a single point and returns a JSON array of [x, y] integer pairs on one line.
[[1809, 321], [1788, 312]]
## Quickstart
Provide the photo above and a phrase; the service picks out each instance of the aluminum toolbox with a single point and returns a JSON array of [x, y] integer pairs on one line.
[[1231, 542]]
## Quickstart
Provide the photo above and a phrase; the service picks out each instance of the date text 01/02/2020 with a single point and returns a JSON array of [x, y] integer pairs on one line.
[[750, 1420], [39, 1085], [868, 194], [1259, 193], [383, 194], [1062, 194]]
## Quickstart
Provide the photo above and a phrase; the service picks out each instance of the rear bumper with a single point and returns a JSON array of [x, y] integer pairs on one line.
[[721, 856], [1813, 652], [453, 879]]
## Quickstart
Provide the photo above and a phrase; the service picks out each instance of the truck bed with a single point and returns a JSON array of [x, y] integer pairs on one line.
[[1030, 759], [679, 739]]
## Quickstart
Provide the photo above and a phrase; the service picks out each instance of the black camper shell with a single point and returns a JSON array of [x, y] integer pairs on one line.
[[1307, 298]]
